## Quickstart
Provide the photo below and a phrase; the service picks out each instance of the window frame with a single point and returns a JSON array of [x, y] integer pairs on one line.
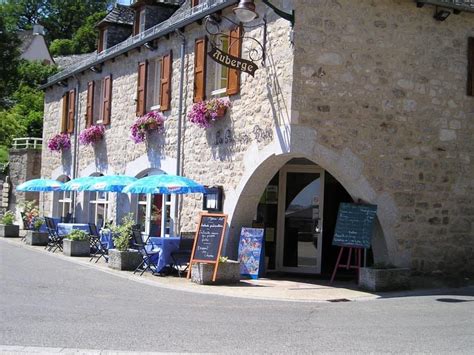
[[221, 75]]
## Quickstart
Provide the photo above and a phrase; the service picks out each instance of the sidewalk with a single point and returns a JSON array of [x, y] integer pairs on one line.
[[294, 290]]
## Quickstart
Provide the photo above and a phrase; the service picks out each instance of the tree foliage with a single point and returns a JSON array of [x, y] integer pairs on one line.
[[8, 61]]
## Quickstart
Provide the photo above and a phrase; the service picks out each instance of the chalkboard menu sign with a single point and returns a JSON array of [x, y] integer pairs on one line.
[[354, 225], [208, 241]]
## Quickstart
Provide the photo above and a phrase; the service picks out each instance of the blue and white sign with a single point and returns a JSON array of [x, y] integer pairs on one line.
[[251, 254]]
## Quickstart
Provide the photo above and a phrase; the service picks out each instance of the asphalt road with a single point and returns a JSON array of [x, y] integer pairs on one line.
[[49, 302]]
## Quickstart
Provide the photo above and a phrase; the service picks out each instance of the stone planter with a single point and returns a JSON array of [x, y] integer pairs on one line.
[[384, 279], [124, 260], [227, 273], [76, 247], [9, 231], [36, 238]]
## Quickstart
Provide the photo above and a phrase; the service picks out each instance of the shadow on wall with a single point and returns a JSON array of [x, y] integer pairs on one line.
[[155, 143], [101, 156], [66, 158]]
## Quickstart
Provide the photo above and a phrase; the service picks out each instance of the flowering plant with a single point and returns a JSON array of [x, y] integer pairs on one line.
[[204, 113], [61, 141], [30, 214], [146, 123], [92, 135]]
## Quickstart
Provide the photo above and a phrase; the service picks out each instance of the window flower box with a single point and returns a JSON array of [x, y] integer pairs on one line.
[[60, 142], [205, 113], [152, 121], [92, 135]]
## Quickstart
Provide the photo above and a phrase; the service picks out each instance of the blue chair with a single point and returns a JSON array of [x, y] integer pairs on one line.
[[97, 246], [55, 240], [182, 256], [147, 263]]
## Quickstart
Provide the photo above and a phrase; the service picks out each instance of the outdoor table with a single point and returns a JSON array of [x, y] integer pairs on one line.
[[66, 228], [44, 227], [166, 246]]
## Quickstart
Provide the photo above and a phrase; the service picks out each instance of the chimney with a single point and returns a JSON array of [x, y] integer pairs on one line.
[[38, 30]]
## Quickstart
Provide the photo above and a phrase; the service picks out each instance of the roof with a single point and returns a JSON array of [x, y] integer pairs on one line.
[[26, 37], [66, 61], [120, 14], [138, 3]]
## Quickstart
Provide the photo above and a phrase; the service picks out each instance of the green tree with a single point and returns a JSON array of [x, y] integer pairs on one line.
[[85, 38], [8, 62], [35, 73], [61, 47]]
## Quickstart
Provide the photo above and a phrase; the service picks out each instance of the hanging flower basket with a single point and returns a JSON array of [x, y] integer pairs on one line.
[[92, 135], [152, 121], [61, 141], [205, 113]]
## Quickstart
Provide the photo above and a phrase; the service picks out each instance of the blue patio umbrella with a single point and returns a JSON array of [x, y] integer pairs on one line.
[[36, 185], [109, 183], [78, 184], [164, 184]]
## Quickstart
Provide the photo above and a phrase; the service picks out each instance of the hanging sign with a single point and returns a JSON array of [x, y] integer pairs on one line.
[[232, 62]]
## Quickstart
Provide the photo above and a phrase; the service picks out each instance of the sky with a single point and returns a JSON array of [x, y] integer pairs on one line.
[[124, 2]]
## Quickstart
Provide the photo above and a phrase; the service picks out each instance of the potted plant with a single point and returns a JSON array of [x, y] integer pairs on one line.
[[152, 121], [7, 228], [205, 113], [92, 135], [61, 141], [228, 272], [77, 243], [384, 277], [122, 257], [34, 236]]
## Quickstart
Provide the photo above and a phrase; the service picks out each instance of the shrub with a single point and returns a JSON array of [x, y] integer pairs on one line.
[[30, 213], [61, 47], [77, 235], [123, 233], [37, 222], [8, 218]]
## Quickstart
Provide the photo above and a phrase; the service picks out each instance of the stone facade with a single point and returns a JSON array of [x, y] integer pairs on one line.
[[373, 92]]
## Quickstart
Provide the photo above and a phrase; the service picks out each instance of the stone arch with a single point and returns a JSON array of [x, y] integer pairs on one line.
[[345, 166]]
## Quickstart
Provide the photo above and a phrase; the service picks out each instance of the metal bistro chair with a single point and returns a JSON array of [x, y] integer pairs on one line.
[[55, 240], [147, 263], [96, 244], [182, 256], [25, 225]]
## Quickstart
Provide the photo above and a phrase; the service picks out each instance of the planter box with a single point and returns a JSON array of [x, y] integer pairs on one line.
[[36, 238], [384, 279], [76, 247], [124, 260], [227, 273], [9, 231]]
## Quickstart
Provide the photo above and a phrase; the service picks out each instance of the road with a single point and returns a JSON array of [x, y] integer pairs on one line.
[[50, 302]]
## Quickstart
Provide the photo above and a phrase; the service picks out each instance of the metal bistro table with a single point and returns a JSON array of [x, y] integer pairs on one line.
[[166, 246], [66, 228]]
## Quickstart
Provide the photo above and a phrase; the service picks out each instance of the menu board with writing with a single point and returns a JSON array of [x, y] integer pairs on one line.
[[208, 241], [354, 225]]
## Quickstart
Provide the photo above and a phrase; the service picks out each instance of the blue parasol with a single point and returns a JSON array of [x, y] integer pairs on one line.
[[109, 183], [78, 184], [164, 184], [40, 185]]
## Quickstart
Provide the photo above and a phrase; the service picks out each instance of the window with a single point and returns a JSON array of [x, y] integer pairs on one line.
[[220, 71], [153, 87], [103, 36], [98, 206], [68, 111], [62, 200], [99, 101], [141, 26]]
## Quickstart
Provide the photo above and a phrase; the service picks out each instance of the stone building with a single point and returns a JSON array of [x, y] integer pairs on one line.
[[357, 100]]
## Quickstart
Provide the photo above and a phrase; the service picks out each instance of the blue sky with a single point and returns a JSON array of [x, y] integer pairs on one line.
[[125, 2]]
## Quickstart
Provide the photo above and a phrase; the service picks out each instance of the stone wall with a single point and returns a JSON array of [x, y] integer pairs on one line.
[[117, 33], [380, 87]]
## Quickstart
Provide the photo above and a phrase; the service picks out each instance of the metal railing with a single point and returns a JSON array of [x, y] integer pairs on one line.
[[27, 143]]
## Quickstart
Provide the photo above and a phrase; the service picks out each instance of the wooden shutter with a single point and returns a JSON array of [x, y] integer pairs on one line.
[[194, 3], [90, 104], [165, 81], [71, 110], [107, 99], [470, 68], [141, 88], [136, 23], [235, 49], [100, 44], [200, 69], [64, 113]]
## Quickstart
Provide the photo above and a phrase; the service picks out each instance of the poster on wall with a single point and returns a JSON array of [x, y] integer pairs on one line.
[[251, 253]]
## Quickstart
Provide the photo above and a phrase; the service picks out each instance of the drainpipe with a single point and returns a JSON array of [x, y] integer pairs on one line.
[[76, 143], [180, 120]]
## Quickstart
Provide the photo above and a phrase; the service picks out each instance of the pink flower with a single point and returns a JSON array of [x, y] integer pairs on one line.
[[60, 141], [149, 122], [204, 113], [92, 135]]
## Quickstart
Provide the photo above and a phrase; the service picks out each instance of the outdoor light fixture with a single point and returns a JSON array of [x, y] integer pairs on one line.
[[245, 11], [150, 46], [212, 199], [96, 68], [441, 15], [62, 83]]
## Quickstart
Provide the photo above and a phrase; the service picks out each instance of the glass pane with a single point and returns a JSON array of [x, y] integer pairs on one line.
[[141, 216]]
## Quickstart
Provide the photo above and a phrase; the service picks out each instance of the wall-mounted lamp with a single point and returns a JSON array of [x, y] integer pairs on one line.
[[245, 11], [441, 15], [62, 83], [150, 46], [96, 68], [212, 199]]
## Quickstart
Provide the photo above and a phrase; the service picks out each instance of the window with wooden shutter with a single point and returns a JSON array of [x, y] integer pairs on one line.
[[470, 66], [235, 49], [64, 112], [200, 69], [100, 44], [165, 82], [141, 88], [136, 23], [71, 110], [90, 104], [107, 99]]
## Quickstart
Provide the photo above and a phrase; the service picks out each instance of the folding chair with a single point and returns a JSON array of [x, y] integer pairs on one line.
[[67, 218], [147, 264], [96, 244], [182, 256], [55, 240], [25, 225]]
